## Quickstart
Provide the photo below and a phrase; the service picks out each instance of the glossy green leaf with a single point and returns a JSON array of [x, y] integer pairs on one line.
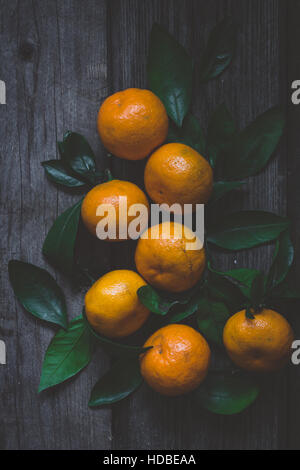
[[282, 261], [243, 276], [118, 383], [189, 134], [155, 302], [250, 150], [77, 154], [246, 229], [38, 292], [220, 188], [170, 73], [57, 172], [211, 319], [221, 128], [224, 290], [68, 353], [188, 309], [113, 347], [219, 50], [289, 289], [60, 241], [227, 394]]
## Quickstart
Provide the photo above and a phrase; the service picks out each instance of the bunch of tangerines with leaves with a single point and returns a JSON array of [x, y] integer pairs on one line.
[[229, 310]]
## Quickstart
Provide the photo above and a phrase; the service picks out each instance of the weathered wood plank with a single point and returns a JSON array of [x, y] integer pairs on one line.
[[54, 64]]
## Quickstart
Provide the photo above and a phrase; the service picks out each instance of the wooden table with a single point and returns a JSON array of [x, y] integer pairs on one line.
[[59, 60]]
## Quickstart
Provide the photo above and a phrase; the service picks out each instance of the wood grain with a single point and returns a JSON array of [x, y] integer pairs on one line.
[[52, 86], [60, 59]]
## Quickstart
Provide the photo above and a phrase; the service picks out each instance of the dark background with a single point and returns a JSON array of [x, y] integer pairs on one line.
[[59, 60]]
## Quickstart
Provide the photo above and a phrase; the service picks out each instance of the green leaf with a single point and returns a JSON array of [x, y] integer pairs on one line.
[[257, 293], [116, 349], [211, 319], [250, 150], [77, 154], [243, 276], [187, 310], [246, 229], [219, 50], [38, 292], [282, 261], [227, 394], [189, 134], [221, 128], [170, 73], [155, 302], [60, 241], [287, 290], [57, 173], [119, 382], [67, 354], [222, 289], [220, 188]]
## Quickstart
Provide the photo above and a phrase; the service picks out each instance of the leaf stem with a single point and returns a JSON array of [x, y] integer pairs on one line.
[[108, 174]]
